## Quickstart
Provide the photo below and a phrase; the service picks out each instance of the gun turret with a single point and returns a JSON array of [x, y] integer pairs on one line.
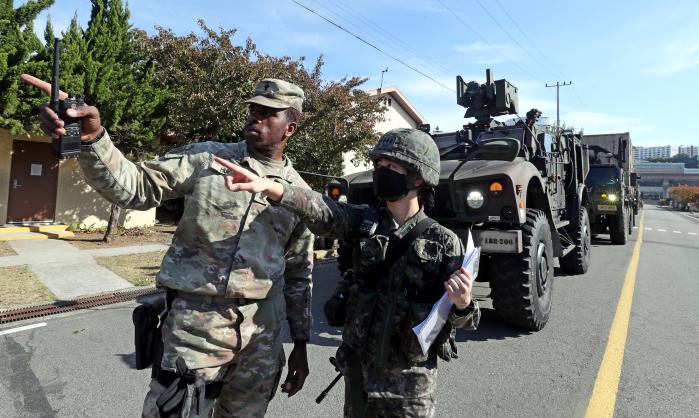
[[67, 145], [484, 101]]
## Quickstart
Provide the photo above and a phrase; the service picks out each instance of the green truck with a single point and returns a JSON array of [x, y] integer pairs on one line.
[[518, 187], [613, 185]]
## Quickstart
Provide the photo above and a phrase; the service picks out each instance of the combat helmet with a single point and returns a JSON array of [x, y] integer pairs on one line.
[[412, 147]]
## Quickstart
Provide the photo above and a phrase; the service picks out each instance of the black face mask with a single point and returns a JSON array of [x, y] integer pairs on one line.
[[390, 185]]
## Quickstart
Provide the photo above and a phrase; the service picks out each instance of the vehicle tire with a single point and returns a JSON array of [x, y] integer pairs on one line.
[[578, 260], [522, 284], [632, 221], [617, 229]]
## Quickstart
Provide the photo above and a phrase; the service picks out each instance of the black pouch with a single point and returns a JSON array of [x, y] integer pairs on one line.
[[335, 309], [361, 304], [146, 319]]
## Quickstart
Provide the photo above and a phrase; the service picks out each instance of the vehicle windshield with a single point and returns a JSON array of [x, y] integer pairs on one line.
[[602, 175], [502, 149]]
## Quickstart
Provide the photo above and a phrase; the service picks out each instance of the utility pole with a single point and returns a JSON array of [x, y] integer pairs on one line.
[[381, 85], [558, 107]]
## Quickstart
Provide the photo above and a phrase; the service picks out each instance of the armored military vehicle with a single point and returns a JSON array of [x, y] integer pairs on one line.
[[519, 187], [614, 196]]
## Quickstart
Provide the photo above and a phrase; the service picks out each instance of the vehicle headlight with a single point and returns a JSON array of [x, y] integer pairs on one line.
[[474, 200], [611, 197]]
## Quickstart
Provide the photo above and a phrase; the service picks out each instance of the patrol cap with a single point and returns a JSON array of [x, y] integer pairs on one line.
[[414, 148], [277, 94]]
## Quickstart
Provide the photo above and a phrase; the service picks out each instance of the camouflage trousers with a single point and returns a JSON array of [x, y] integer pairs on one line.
[[394, 392], [224, 340]]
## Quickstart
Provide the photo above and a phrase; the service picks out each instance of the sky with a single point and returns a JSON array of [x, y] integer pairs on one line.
[[634, 65]]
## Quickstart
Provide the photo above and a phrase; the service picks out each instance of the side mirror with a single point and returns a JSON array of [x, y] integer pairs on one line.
[[634, 179], [425, 127]]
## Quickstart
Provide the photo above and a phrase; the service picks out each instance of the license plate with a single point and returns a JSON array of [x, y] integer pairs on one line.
[[500, 241], [611, 208]]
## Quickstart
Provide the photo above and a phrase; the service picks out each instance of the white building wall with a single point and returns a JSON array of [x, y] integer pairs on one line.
[[644, 153], [394, 117]]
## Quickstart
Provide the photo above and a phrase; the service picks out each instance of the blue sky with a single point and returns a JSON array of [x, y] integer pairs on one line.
[[634, 64]]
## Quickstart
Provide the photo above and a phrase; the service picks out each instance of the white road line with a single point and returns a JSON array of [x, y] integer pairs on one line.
[[648, 229], [692, 233], [677, 232], [24, 328], [662, 230]]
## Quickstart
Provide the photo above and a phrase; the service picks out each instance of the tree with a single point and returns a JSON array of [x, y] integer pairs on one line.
[[18, 44], [684, 194], [118, 80], [209, 78]]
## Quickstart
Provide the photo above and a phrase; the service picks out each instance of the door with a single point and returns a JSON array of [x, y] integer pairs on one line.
[[33, 183]]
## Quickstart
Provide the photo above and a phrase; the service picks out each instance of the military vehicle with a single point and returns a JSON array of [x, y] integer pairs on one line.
[[519, 187], [612, 184]]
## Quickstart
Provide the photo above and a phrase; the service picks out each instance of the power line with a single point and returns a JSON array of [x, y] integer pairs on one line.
[[374, 46], [514, 22], [484, 40], [372, 26], [508, 33], [553, 65]]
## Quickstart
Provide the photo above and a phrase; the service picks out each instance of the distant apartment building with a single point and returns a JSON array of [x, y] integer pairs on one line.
[[645, 153], [691, 150]]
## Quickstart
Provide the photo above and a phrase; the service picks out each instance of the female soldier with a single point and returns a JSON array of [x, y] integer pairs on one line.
[[403, 261]]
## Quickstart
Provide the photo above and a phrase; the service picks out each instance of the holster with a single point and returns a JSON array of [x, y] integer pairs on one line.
[[147, 339]]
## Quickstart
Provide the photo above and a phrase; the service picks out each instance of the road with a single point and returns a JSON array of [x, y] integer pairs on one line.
[[79, 364]]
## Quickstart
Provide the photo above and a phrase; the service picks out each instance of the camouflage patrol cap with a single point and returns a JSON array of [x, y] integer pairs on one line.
[[277, 94], [412, 147]]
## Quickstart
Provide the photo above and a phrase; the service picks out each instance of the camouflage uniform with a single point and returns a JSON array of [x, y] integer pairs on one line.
[[397, 379], [239, 265]]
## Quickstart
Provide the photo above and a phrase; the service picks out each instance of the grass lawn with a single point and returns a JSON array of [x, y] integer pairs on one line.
[[139, 269], [5, 249], [159, 234], [20, 286]]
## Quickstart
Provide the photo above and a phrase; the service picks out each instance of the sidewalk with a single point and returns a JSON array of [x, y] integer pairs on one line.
[[69, 272]]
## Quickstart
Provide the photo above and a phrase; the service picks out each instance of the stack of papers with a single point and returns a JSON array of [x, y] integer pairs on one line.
[[427, 330]]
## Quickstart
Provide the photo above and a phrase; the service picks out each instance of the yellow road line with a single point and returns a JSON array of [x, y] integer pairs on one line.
[[603, 397]]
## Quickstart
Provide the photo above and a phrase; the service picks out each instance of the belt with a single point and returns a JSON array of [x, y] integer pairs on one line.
[[215, 298]]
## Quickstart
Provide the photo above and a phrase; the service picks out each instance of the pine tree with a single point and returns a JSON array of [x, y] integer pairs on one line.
[[118, 79], [18, 45]]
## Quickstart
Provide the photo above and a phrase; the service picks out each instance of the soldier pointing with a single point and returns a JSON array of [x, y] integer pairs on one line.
[[237, 265], [403, 261]]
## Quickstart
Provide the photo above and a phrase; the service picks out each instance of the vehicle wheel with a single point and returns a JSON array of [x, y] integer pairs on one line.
[[617, 229], [578, 260], [522, 284]]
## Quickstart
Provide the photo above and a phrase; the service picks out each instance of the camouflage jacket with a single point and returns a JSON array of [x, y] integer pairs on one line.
[[381, 311], [227, 244]]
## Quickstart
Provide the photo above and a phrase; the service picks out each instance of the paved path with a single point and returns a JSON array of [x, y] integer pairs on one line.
[[69, 272]]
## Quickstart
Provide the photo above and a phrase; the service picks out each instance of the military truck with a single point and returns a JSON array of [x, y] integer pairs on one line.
[[519, 187], [613, 185]]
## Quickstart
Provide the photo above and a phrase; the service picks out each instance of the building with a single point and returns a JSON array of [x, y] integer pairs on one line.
[[400, 113], [656, 179], [645, 153], [35, 187], [690, 150]]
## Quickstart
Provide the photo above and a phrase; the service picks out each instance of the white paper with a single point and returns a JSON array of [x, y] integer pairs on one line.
[[427, 330]]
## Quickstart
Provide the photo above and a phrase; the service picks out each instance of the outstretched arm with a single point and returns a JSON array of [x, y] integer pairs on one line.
[[322, 215]]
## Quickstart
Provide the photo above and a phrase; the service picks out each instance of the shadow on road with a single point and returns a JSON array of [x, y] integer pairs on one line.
[[491, 327], [128, 359]]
